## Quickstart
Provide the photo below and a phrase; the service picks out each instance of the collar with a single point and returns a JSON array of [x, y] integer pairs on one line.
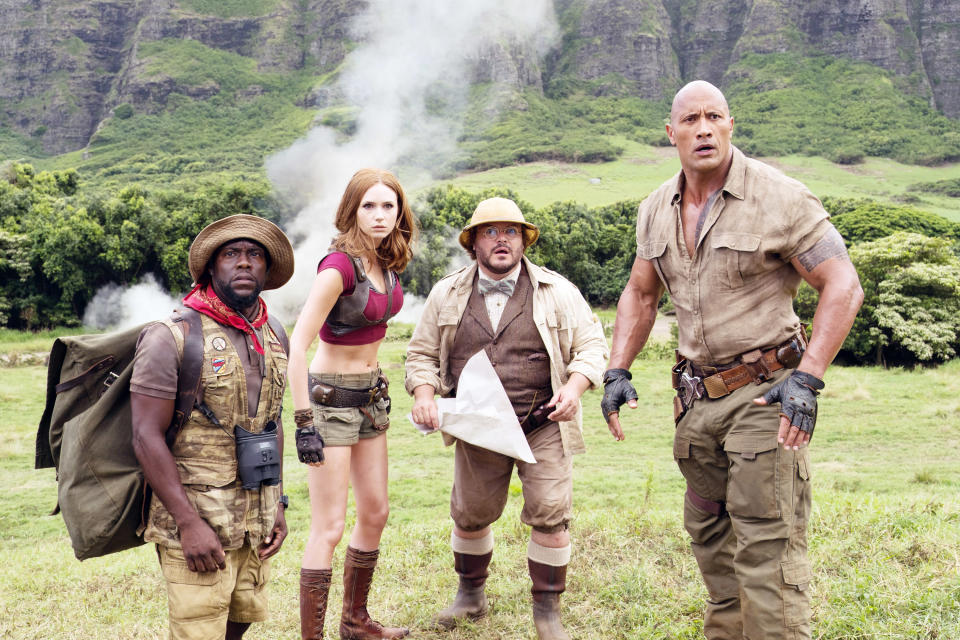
[[733, 184]]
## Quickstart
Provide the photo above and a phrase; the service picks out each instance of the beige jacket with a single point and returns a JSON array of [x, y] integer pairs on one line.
[[568, 327]]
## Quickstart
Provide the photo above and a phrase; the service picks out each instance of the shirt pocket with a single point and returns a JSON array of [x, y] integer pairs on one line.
[[654, 250], [736, 257]]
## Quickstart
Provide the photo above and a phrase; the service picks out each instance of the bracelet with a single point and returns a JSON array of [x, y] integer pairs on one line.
[[303, 417]]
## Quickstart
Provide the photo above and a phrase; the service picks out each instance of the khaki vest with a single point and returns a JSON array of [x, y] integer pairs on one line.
[[515, 349], [206, 455]]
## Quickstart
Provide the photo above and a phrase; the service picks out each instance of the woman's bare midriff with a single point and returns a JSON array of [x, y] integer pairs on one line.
[[344, 358]]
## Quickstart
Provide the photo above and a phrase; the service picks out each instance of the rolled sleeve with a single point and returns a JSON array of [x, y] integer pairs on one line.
[[588, 349], [423, 353]]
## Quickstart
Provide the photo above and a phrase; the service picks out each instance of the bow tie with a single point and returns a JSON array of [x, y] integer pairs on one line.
[[505, 286]]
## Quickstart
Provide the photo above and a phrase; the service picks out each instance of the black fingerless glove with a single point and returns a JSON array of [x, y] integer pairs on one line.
[[616, 391], [309, 442], [797, 396], [309, 445]]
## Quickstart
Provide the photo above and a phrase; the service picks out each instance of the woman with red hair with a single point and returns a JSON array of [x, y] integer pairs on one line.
[[341, 402]]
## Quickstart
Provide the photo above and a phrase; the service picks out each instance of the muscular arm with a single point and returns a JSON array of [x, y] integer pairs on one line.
[[636, 313], [828, 269], [151, 417]]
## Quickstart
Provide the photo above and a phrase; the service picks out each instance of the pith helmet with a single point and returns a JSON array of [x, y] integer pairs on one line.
[[243, 226], [499, 210]]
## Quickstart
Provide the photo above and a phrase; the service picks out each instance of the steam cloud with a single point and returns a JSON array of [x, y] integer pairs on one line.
[[415, 53], [122, 308]]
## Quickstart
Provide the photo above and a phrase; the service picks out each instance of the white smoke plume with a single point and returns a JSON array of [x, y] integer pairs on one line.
[[415, 54], [119, 307]]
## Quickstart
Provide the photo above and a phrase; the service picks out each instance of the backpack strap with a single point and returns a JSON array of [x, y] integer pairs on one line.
[[188, 384], [277, 327]]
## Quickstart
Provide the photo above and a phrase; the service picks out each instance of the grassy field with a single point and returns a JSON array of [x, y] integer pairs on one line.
[[885, 528], [643, 168]]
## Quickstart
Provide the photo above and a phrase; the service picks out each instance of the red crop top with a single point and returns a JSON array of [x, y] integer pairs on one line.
[[376, 304]]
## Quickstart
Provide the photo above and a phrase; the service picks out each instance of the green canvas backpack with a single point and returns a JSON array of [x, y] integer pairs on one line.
[[85, 433]]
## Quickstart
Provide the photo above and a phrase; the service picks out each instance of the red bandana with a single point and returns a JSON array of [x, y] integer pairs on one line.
[[205, 301]]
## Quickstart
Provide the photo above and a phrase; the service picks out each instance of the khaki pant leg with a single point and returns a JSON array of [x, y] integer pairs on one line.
[[481, 483], [198, 602], [771, 559], [768, 499], [711, 536]]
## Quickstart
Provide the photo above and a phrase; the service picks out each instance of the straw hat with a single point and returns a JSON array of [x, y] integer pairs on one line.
[[243, 226], [499, 210]]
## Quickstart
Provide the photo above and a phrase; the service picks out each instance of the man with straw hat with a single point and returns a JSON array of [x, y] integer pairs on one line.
[[547, 348], [216, 516]]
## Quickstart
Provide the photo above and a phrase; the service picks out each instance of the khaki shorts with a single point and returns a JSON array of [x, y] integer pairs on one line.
[[481, 483], [345, 426], [201, 603]]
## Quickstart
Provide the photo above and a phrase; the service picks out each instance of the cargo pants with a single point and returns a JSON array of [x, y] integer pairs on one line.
[[747, 517]]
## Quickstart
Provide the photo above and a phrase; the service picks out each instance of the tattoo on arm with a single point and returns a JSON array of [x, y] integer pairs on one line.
[[704, 212], [829, 246]]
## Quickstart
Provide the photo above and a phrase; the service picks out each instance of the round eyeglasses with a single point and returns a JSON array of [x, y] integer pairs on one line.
[[492, 233]]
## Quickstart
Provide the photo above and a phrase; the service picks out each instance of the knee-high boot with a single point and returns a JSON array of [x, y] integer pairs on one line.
[[471, 600], [355, 622], [314, 589], [548, 583]]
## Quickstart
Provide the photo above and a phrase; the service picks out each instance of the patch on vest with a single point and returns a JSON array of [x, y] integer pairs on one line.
[[218, 343], [276, 347], [217, 363]]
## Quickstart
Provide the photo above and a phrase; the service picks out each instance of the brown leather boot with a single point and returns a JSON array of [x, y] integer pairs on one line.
[[548, 583], [314, 588], [471, 600], [355, 622]]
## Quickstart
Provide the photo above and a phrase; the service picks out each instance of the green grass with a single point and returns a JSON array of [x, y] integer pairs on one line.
[[884, 529], [230, 8], [224, 118], [643, 168]]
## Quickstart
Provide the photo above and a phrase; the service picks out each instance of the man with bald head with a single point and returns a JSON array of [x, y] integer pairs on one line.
[[730, 239]]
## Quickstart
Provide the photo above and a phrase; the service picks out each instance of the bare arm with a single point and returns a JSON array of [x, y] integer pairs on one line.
[[327, 287], [151, 417], [636, 313], [828, 269]]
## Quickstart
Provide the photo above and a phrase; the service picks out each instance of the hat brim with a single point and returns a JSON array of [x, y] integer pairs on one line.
[[241, 226]]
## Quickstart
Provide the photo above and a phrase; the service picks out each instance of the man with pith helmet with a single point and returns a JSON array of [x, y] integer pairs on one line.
[[547, 348]]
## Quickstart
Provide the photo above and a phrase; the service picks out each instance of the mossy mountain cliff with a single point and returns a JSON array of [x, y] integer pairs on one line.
[[68, 68]]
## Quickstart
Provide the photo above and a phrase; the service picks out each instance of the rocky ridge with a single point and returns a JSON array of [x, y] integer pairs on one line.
[[65, 66]]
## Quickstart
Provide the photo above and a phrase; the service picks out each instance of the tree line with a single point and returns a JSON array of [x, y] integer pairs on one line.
[[60, 243]]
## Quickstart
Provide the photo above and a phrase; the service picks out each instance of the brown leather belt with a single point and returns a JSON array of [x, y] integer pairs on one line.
[[536, 419], [334, 396], [694, 381]]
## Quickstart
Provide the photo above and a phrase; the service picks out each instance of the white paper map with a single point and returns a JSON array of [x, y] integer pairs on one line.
[[481, 414]]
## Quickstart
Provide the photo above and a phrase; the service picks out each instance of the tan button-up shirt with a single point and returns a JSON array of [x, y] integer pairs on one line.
[[570, 330], [735, 293]]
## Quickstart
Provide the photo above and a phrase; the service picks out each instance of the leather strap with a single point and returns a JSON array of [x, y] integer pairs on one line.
[[340, 397], [716, 508], [754, 366], [188, 382]]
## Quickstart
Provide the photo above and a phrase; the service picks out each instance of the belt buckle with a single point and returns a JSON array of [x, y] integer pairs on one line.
[[690, 385]]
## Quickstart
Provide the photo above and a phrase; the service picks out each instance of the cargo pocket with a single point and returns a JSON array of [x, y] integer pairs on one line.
[[689, 467], [192, 595], [796, 598], [753, 486]]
